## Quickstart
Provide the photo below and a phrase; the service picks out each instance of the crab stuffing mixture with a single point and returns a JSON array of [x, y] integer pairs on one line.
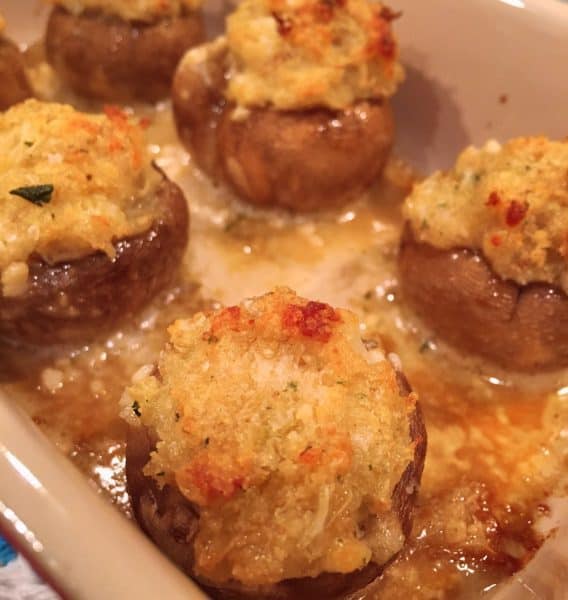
[[294, 54], [287, 433], [70, 184], [146, 11], [509, 201]]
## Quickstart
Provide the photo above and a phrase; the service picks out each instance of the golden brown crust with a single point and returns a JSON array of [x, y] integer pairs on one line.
[[309, 53], [15, 86], [508, 201], [171, 521], [77, 300], [456, 293], [300, 160], [110, 59]]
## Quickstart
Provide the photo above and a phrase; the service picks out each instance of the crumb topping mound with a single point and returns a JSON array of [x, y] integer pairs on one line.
[[286, 433], [295, 54], [70, 184], [510, 202], [132, 10]]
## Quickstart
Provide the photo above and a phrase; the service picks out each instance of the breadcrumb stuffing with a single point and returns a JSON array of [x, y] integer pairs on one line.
[[132, 10], [294, 54], [70, 183], [289, 438], [510, 202]]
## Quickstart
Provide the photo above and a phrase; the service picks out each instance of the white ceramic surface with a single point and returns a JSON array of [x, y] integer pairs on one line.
[[75, 539], [462, 58], [476, 69]]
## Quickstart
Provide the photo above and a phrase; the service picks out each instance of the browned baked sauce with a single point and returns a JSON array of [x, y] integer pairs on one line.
[[495, 447]]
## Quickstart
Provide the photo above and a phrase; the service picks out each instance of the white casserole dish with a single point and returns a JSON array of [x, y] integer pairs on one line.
[[476, 69]]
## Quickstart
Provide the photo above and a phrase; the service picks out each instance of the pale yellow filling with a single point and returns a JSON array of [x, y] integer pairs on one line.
[[293, 54], [286, 432], [84, 177], [510, 201]]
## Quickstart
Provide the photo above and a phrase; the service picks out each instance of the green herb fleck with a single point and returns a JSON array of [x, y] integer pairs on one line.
[[340, 382], [212, 339], [28, 143], [424, 224], [234, 223], [425, 346], [292, 385], [136, 408], [36, 194]]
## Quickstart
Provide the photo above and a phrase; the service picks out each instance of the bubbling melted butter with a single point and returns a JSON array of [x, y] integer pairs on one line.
[[496, 446]]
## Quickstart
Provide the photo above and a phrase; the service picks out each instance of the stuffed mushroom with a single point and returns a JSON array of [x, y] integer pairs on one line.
[[89, 229], [121, 50], [271, 453], [15, 86], [484, 256], [291, 108]]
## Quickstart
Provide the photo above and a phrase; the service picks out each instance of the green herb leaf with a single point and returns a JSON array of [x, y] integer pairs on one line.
[[36, 194], [425, 346]]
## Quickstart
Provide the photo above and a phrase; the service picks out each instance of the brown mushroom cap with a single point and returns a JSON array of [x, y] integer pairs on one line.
[[79, 299], [107, 58], [301, 160], [458, 295], [14, 86]]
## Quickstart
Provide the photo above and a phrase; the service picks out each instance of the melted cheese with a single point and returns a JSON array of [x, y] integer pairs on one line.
[[98, 168], [294, 54], [132, 10], [510, 202], [286, 433]]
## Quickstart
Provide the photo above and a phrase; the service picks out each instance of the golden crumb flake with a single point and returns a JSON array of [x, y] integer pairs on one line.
[[510, 202], [294, 54], [286, 432], [70, 183]]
